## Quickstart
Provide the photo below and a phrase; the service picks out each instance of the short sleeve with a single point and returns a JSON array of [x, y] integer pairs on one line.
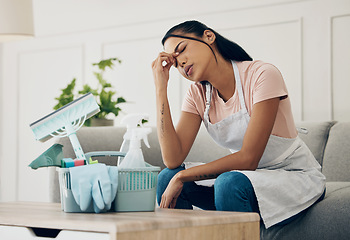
[[269, 84], [189, 102]]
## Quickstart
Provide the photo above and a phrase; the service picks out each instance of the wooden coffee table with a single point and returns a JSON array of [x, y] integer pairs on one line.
[[20, 218]]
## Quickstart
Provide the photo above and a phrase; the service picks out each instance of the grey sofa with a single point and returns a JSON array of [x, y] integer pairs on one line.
[[328, 141]]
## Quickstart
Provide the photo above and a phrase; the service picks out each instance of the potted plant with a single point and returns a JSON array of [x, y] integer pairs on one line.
[[104, 93]]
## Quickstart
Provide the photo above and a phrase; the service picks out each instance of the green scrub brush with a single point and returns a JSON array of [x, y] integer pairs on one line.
[[51, 157]]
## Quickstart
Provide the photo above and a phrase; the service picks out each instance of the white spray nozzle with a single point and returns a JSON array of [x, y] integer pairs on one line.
[[145, 140], [140, 133], [146, 131]]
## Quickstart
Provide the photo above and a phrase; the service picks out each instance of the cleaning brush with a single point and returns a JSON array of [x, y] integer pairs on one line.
[[65, 121]]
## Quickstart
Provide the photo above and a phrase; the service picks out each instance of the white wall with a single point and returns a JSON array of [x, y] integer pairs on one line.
[[1, 113], [306, 40]]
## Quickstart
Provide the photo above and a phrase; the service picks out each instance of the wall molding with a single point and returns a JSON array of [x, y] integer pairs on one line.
[[302, 100], [1, 116], [331, 69], [19, 79]]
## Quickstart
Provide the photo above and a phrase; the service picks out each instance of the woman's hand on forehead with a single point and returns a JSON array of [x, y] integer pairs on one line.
[[169, 58]]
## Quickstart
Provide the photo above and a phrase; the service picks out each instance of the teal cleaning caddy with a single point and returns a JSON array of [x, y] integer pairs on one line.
[[130, 187], [136, 188]]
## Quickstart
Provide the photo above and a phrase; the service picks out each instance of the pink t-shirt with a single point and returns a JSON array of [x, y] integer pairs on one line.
[[260, 81]]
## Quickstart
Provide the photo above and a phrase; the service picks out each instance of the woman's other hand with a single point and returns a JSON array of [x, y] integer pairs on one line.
[[161, 67], [171, 193]]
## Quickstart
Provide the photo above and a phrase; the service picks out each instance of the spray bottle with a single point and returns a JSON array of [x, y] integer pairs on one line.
[[134, 157], [132, 121]]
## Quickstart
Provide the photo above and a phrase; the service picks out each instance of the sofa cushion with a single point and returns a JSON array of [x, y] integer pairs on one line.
[[326, 220], [316, 138], [336, 163]]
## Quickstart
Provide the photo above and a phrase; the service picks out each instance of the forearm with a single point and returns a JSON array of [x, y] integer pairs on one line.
[[174, 144], [235, 161], [168, 139]]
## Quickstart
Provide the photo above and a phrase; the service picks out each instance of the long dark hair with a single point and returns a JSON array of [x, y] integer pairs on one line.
[[228, 49]]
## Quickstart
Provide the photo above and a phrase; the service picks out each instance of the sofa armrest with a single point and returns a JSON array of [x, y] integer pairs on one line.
[[317, 137], [336, 163]]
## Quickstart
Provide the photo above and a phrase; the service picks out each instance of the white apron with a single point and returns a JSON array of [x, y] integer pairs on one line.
[[288, 178]]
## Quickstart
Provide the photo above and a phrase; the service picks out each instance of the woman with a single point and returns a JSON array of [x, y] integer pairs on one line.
[[245, 107]]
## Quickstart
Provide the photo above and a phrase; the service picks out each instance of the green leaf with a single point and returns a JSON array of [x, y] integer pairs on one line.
[[102, 81], [115, 111], [98, 76], [66, 96], [106, 98], [106, 63], [121, 100], [104, 92], [87, 89], [87, 122], [69, 89]]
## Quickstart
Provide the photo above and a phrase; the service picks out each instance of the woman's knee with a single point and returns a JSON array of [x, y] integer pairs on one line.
[[167, 174], [231, 181], [234, 192]]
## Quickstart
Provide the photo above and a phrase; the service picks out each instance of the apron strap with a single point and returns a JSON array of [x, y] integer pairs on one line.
[[208, 92], [239, 85], [208, 98]]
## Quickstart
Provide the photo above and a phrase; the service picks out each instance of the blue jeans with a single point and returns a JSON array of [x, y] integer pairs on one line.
[[232, 191]]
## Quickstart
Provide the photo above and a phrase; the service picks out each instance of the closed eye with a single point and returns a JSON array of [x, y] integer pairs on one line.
[[181, 51]]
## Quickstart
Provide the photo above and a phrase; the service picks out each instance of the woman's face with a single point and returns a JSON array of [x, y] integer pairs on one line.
[[194, 59]]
